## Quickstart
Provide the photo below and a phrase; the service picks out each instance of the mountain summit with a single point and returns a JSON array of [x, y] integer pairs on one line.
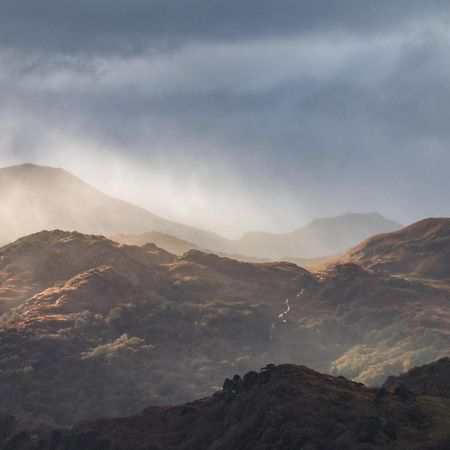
[[36, 198], [321, 237]]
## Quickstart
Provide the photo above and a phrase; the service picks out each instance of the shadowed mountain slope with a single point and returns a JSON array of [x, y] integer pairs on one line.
[[322, 237], [36, 198], [430, 379], [421, 249], [282, 407]]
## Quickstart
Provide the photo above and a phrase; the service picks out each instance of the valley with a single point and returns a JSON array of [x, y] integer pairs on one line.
[[140, 326]]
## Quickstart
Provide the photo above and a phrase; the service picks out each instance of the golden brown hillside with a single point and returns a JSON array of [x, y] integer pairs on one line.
[[91, 314], [421, 249]]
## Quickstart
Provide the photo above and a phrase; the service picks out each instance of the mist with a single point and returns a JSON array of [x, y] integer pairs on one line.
[[240, 205], [241, 131]]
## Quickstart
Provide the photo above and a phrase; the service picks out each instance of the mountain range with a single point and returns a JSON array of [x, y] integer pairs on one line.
[[93, 328], [36, 198]]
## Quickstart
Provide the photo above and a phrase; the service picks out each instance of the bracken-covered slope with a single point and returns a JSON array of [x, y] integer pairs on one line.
[[34, 263], [421, 249], [100, 329], [282, 407]]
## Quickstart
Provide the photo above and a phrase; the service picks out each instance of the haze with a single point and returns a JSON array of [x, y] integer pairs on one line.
[[235, 117]]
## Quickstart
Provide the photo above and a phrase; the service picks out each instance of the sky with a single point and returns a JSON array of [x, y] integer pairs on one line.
[[231, 115]]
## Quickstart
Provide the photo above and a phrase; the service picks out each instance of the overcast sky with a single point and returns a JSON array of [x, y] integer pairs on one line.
[[235, 115]]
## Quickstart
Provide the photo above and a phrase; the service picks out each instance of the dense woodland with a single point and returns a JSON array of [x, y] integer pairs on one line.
[[281, 407]]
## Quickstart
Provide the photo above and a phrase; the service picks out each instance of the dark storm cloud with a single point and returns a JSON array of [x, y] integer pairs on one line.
[[286, 110], [126, 26]]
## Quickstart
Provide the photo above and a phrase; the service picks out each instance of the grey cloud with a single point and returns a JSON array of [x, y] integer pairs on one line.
[[329, 106], [110, 26]]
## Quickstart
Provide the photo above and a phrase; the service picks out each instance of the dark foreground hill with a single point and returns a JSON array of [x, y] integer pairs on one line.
[[282, 407], [421, 249], [430, 379], [102, 329]]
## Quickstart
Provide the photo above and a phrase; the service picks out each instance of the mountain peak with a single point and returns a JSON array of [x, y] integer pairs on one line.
[[36, 198]]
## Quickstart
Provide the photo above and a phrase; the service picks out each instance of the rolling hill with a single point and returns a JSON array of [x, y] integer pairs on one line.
[[421, 249], [429, 379], [94, 328], [281, 407], [165, 241]]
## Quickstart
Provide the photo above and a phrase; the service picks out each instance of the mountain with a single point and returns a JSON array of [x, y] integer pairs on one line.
[[322, 237], [95, 328], [179, 247], [282, 407], [314, 244], [165, 241], [421, 249], [429, 379], [36, 198], [40, 261]]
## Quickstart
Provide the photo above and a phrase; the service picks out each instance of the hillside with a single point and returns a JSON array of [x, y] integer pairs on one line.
[[322, 237], [421, 249], [165, 241], [281, 407], [179, 247], [37, 262], [36, 198], [103, 329], [430, 379]]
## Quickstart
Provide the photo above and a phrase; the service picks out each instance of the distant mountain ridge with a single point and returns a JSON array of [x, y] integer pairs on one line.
[[36, 198], [321, 237]]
